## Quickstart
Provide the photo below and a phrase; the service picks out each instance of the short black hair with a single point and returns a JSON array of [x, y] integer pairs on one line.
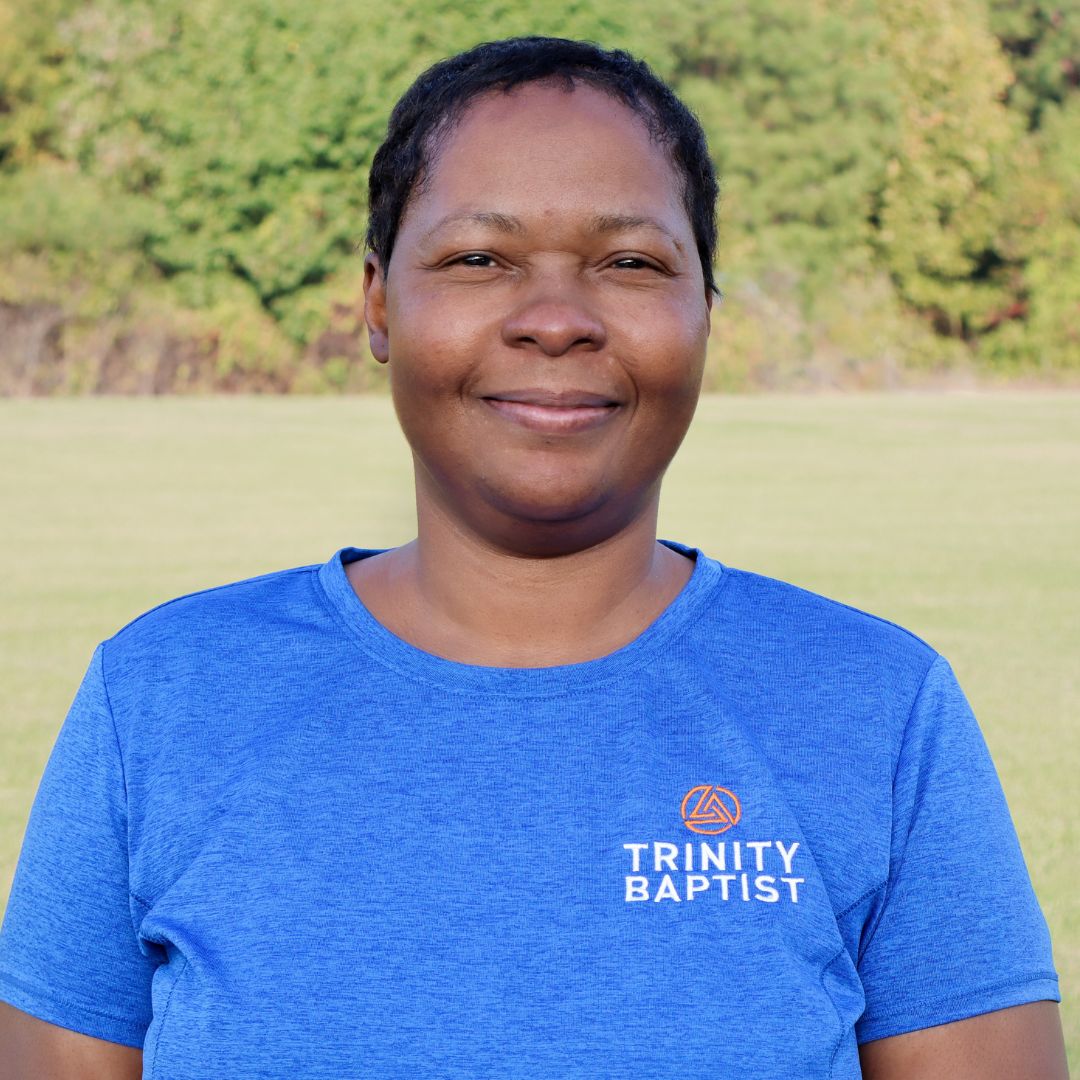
[[439, 97]]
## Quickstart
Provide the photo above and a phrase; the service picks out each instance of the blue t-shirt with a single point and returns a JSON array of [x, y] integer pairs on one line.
[[275, 840]]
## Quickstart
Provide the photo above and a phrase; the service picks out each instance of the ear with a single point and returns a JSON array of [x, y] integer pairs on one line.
[[710, 298], [375, 308]]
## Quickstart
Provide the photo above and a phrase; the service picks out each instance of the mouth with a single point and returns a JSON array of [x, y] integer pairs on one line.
[[553, 412]]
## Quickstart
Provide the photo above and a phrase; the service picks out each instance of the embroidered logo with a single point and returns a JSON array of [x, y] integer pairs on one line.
[[748, 871], [714, 810]]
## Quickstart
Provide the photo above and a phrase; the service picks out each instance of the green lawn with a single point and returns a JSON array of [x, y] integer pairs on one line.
[[957, 516]]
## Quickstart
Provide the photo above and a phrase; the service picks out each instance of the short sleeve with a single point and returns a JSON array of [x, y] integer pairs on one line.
[[959, 931], [69, 951]]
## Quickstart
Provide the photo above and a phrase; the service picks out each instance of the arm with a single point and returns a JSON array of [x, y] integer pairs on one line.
[[957, 968], [1020, 1043], [31, 1047], [75, 985]]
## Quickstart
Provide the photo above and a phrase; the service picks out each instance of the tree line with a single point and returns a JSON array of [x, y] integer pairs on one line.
[[183, 182]]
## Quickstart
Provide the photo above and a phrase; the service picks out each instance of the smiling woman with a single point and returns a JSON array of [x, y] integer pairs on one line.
[[545, 330], [535, 794]]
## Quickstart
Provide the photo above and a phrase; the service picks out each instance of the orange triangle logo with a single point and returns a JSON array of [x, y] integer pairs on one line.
[[714, 809]]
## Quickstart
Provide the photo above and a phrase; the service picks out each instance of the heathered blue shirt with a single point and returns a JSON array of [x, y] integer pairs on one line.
[[273, 840]]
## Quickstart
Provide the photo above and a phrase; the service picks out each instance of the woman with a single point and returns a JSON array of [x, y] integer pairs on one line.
[[534, 794]]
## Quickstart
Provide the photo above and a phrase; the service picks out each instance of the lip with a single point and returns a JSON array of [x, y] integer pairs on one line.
[[553, 412], [556, 398]]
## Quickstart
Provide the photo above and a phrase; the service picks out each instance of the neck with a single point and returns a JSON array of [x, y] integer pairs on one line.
[[455, 594]]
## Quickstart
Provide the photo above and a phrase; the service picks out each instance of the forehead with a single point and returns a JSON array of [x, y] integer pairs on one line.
[[552, 103], [544, 148]]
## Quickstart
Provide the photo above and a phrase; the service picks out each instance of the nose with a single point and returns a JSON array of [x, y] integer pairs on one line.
[[555, 322]]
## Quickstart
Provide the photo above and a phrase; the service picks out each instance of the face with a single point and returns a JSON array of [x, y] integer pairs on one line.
[[544, 317]]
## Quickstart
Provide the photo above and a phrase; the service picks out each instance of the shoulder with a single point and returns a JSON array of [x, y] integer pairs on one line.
[[257, 596], [804, 670], [776, 614], [212, 630], [825, 694]]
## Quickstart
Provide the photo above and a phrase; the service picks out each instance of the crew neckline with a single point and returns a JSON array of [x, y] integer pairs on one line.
[[395, 652]]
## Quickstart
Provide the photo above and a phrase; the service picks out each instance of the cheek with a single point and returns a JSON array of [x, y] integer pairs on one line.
[[435, 354], [668, 356], [435, 345]]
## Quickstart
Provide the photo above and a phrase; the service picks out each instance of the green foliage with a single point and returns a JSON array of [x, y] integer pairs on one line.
[[202, 166], [800, 123], [32, 69], [942, 211], [241, 122], [1042, 40], [56, 208], [1046, 203]]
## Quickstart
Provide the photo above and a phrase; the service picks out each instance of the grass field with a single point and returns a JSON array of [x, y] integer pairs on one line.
[[957, 516]]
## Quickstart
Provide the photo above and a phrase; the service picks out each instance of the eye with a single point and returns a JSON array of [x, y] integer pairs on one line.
[[633, 262], [474, 258]]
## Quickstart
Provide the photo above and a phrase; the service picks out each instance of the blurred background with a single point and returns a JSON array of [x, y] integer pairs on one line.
[[187, 399], [183, 183]]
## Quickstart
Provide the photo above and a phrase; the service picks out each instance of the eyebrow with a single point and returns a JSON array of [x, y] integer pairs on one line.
[[507, 223], [503, 223], [607, 223]]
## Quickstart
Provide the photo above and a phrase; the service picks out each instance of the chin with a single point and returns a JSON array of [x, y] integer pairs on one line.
[[548, 539], [550, 521], [544, 501]]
